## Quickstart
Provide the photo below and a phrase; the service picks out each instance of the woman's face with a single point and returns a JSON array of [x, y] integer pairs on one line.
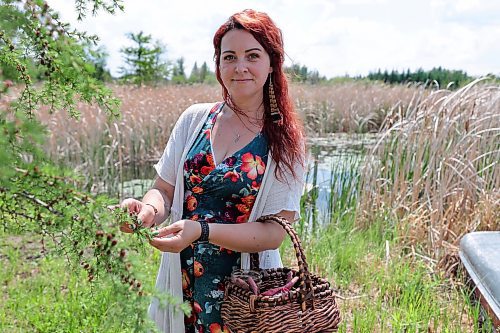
[[244, 66]]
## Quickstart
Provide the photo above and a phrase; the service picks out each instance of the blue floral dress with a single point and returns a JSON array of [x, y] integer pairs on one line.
[[223, 193]]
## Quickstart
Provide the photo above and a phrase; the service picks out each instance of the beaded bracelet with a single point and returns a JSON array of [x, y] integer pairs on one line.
[[205, 231]]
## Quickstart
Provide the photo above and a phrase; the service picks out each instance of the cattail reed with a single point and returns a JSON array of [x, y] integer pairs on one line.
[[436, 168], [107, 152]]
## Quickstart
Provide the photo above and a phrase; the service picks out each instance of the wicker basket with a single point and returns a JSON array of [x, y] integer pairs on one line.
[[308, 307]]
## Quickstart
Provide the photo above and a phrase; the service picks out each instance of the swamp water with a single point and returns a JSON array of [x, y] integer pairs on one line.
[[330, 181]]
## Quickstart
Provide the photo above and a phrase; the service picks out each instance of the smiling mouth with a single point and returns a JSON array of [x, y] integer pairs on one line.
[[242, 80]]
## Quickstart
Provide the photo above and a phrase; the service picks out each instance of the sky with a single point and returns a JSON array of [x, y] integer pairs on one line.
[[334, 37]]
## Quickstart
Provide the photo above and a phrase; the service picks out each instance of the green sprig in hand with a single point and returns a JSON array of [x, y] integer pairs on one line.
[[135, 224]]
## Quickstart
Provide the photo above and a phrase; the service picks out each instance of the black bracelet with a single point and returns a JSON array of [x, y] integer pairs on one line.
[[205, 231], [154, 208]]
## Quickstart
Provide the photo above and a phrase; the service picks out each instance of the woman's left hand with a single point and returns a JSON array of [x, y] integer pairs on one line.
[[176, 236]]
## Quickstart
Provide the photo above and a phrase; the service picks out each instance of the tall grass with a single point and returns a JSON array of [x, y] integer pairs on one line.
[[436, 169], [352, 107], [109, 152], [380, 288]]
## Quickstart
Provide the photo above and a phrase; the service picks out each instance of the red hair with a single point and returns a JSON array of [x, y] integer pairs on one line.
[[286, 138]]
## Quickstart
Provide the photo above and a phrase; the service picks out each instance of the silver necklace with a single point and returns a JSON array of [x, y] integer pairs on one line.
[[237, 137]]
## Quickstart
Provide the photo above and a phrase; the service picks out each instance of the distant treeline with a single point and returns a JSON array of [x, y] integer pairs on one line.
[[145, 62], [443, 77]]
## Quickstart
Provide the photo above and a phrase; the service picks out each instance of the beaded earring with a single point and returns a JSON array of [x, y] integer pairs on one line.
[[275, 111]]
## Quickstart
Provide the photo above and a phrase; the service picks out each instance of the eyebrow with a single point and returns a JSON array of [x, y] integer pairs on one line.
[[246, 51]]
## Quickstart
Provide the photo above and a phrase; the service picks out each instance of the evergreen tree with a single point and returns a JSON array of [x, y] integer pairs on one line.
[[178, 72], [38, 199], [203, 72], [194, 77], [143, 60], [442, 77]]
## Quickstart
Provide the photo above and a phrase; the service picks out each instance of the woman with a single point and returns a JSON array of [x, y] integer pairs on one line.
[[226, 164]]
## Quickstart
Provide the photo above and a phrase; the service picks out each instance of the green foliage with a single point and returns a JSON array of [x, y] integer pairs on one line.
[[178, 72], [202, 74], [144, 63], [32, 34], [98, 57], [302, 74], [82, 6], [39, 200], [81, 229]]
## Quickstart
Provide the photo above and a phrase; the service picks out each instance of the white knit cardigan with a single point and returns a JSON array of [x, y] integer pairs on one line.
[[274, 196]]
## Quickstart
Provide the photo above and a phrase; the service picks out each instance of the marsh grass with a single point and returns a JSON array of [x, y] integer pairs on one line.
[[108, 152], [432, 177], [381, 286], [436, 169]]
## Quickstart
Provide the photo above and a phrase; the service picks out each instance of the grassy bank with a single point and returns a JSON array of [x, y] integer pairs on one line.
[[436, 170], [44, 293], [381, 287]]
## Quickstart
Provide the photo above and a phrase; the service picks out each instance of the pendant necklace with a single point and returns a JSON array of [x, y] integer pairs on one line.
[[238, 135], [237, 138]]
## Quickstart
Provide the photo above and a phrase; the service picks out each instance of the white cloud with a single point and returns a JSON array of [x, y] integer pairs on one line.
[[334, 36]]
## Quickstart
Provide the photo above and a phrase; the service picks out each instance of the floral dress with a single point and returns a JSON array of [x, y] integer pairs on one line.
[[223, 193]]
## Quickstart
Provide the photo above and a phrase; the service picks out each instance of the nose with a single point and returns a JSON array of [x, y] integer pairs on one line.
[[241, 67]]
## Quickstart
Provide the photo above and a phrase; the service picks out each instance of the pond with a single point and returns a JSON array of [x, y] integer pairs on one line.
[[330, 181]]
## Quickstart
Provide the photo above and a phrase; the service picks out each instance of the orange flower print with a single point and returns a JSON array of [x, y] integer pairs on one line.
[[233, 175], [185, 280], [191, 203], [248, 200], [198, 269], [215, 328], [205, 170], [252, 166], [194, 179], [255, 185], [243, 218], [243, 208], [210, 159], [197, 189], [196, 307]]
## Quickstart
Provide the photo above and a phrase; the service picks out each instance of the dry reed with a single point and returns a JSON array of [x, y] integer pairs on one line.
[[351, 107], [101, 149], [436, 168]]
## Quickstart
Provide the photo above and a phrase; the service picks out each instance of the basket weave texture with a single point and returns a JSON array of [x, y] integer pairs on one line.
[[307, 307]]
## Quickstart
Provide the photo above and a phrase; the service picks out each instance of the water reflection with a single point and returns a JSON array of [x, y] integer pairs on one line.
[[332, 177]]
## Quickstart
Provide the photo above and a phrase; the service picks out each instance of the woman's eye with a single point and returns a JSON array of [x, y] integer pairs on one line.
[[253, 56], [228, 57]]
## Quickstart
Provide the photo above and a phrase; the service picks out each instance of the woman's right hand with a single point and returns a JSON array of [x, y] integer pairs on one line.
[[145, 213]]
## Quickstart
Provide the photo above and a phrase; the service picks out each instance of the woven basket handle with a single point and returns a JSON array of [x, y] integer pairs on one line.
[[304, 275]]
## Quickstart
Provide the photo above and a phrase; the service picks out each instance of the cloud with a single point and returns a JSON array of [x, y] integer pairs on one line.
[[333, 36]]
